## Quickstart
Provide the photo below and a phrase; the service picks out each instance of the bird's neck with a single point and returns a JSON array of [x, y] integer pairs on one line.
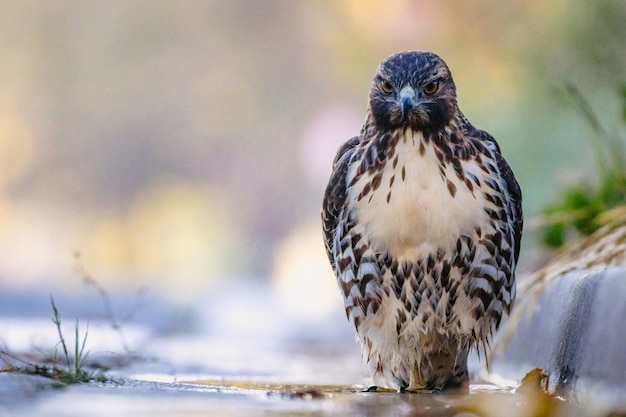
[[450, 135]]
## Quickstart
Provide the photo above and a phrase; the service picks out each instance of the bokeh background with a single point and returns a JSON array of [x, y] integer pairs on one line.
[[184, 146]]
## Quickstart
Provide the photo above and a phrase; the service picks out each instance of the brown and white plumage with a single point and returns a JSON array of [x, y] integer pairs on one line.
[[422, 223]]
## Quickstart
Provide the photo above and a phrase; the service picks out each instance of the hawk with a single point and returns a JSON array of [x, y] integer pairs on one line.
[[422, 221]]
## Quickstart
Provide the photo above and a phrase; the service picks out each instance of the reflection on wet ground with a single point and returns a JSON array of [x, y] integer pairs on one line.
[[139, 398]]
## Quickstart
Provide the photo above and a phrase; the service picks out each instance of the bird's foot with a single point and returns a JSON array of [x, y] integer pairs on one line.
[[417, 390], [375, 388], [417, 385]]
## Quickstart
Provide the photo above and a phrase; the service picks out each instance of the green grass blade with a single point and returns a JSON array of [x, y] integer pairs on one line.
[[82, 347], [56, 319]]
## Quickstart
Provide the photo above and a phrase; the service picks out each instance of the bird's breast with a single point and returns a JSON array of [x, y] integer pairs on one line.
[[414, 203]]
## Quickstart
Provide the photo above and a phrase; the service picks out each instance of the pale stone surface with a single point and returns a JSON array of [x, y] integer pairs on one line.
[[576, 333]]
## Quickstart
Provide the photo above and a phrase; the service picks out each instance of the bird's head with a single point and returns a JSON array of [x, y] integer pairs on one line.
[[412, 90]]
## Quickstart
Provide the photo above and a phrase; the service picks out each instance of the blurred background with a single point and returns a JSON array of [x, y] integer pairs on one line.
[[183, 147]]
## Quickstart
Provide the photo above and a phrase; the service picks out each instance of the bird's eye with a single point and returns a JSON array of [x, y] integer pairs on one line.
[[431, 88], [387, 87]]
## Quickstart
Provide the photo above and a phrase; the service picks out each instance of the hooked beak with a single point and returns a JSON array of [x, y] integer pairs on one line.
[[407, 100]]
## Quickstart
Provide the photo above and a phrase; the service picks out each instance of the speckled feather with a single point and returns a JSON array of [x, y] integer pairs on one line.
[[422, 224]]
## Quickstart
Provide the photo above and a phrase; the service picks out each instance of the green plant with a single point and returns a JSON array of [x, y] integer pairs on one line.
[[74, 368], [580, 207], [72, 373]]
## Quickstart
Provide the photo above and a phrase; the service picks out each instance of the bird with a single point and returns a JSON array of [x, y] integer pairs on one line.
[[422, 221]]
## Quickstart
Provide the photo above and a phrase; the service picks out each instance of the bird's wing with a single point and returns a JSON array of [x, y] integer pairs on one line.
[[515, 194], [513, 188], [336, 193]]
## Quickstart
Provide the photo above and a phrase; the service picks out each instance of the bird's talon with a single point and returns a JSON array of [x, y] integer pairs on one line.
[[420, 391], [375, 388]]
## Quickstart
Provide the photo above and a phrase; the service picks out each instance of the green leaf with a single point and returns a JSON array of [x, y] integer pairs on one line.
[[554, 235]]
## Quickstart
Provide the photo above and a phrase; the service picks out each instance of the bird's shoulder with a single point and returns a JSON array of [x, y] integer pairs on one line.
[[479, 138], [345, 151], [488, 141]]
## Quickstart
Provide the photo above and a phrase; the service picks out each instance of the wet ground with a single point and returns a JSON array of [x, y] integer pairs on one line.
[[241, 398], [226, 356]]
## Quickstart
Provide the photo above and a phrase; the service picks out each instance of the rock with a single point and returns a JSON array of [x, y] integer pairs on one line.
[[574, 328]]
